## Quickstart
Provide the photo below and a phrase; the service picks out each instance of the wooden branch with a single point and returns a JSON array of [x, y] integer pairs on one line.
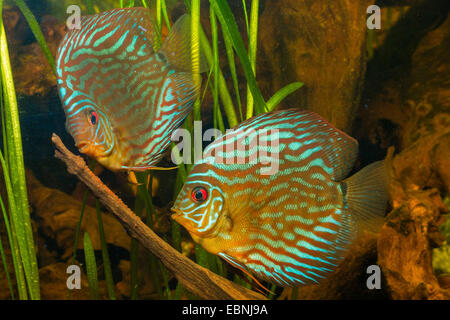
[[198, 280]]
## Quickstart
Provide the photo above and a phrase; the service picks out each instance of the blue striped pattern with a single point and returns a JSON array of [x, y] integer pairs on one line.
[[109, 67], [290, 227]]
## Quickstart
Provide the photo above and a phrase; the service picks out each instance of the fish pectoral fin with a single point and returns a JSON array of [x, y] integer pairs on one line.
[[177, 47], [235, 263]]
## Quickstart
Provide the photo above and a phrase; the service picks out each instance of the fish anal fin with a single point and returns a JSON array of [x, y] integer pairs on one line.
[[235, 263]]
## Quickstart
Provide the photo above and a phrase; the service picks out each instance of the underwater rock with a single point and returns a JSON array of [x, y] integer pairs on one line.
[[15, 29], [59, 214], [304, 37], [28, 58], [407, 89]]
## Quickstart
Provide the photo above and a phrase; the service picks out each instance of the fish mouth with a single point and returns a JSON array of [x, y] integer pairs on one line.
[[176, 213], [179, 217], [83, 146]]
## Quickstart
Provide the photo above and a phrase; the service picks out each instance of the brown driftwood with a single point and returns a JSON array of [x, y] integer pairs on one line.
[[411, 231], [196, 279], [320, 43]]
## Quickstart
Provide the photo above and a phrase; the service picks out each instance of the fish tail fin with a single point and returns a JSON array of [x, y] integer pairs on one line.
[[367, 196]]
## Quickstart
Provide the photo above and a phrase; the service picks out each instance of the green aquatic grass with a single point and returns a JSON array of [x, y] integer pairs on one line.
[[105, 255], [279, 96], [195, 52], [215, 70], [232, 65], [229, 26], [14, 179], [91, 267], [294, 293], [91, 165], [139, 205], [2, 251], [252, 46], [77, 233], [223, 22], [224, 93]]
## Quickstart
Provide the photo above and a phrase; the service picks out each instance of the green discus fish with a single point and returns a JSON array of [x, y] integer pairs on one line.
[[293, 225]]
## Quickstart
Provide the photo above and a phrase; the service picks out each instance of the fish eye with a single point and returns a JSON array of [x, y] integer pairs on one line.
[[199, 194], [93, 117], [161, 57]]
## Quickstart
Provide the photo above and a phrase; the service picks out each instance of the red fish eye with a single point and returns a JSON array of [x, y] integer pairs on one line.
[[199, 194], [93, 118]]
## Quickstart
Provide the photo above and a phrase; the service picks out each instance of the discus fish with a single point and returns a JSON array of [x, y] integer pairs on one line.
[[122, 99], [291, 227]]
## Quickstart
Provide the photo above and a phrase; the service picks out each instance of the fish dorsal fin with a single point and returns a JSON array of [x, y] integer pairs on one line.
[[177, 47], [340, 150]]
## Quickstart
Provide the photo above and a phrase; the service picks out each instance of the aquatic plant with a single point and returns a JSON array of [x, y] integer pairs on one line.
[[16, 215], [91, 266], [219, 10], [221, 18]]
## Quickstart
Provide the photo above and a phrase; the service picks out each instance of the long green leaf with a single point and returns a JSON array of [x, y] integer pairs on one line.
[[2, 252], [195, 51], [166, 16], [15, 252], [215, 88], [229, 26], [225, 97], [18, 200], [281, 94], [91, 166], [105, 254], [91, 267], [252, 46], [232, 65]]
